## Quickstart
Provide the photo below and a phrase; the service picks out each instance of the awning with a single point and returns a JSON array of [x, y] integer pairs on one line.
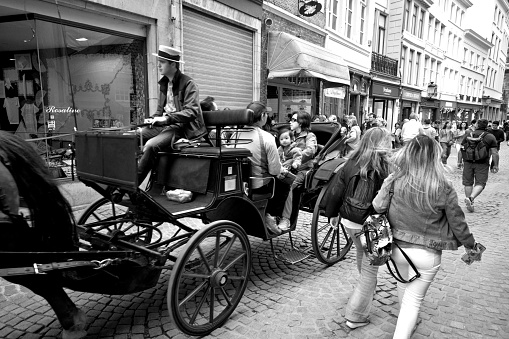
[[289, 56]]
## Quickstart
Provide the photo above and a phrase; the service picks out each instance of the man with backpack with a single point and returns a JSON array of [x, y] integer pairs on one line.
[[477, 148]]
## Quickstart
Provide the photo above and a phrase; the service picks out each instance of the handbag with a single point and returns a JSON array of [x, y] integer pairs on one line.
[[377, 241]]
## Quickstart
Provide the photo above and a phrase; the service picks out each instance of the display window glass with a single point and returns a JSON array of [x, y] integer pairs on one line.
[[57, 78]]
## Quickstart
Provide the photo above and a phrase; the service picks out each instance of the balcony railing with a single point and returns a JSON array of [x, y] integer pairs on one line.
[[382, 64]]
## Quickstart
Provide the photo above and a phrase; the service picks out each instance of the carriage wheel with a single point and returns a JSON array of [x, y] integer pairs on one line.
[[209, 278], [106, 217], [329, 237]]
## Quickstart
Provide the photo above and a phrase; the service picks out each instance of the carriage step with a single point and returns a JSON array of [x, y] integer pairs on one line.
[[292, 256]]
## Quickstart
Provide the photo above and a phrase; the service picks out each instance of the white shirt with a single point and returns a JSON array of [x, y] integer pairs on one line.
[[170, 104], [411, 129]]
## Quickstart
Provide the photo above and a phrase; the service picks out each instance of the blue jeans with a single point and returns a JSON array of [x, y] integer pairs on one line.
[[446, 151], [359, 304], [410, 295]]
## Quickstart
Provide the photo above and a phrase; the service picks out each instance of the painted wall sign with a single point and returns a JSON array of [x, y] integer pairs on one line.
[[335, 92], [410, 95]]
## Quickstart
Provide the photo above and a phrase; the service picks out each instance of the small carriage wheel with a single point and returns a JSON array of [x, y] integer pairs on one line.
[[107, 217], [209, 278], [329, 237]]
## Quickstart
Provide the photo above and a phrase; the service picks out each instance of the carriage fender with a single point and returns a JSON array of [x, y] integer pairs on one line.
[[248, 214]]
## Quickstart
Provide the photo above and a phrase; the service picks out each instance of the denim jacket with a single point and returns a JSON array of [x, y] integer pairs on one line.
[[444, 230]]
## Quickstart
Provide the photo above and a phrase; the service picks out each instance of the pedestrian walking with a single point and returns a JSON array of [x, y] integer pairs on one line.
[[425, 219], [506, 130], [428, 129], [354, 134], [411, 129], [497, 132], [359, 180], [475, 172], [459, 135], [371, 122], [446, 139]]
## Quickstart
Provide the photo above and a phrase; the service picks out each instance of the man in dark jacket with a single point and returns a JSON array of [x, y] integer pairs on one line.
[[178, 112]]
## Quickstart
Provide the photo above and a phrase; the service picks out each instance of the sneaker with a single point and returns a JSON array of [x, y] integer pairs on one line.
[[270, 222], [284, 224], [353, 325], [470, 204]]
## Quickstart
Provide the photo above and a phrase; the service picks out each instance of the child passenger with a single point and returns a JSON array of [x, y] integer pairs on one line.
[[289, 154]]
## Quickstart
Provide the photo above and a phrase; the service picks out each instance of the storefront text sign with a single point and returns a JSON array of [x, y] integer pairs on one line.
[[336, 92], [54, 109], [448, 104], [385, 91], [411, 96]]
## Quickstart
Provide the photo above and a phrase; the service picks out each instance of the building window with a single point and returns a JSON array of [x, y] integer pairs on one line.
[[333, 14], [363, 14], [381, 34], [349, 18], [426, 67], [462, 81], [414, 20], [403, 54], [430, 28], [495, 14], [437, 33], [417, 64], [421, 20], [449, 43], [410, 65], [442, 30], [461, 17], [406, 14], [452, 11]]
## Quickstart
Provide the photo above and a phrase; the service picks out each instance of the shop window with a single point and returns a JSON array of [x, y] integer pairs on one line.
[[67, 78]]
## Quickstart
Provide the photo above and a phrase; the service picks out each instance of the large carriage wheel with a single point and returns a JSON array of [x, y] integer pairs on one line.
[[106, 217], [209, 278], [329, 237]]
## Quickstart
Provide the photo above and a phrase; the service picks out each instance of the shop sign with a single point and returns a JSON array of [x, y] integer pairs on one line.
[[385, 91], [448, 104], [53, 110], [336, 92], [409, 95], [51, 125]]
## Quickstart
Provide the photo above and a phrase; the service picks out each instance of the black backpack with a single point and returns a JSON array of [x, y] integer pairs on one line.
[[357, 203], [475, 149]]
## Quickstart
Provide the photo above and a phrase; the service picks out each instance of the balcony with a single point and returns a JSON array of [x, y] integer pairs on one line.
[[385, 65], [468, 98]]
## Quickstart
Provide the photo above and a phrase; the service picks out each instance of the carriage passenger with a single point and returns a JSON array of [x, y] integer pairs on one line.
[[265, 158], [306, 141]]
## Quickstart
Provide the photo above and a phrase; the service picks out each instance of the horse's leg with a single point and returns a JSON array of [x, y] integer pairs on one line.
[[72, 319]]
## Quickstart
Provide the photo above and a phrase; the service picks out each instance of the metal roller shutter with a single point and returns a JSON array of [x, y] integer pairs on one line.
[[219, 56]]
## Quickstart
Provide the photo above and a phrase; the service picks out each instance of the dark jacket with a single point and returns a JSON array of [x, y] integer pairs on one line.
[[188, 116]]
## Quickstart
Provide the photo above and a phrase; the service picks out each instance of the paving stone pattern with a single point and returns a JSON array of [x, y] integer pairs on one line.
[[307, 300]]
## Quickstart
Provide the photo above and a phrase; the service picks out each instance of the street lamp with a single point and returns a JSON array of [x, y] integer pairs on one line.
[[432, 90]]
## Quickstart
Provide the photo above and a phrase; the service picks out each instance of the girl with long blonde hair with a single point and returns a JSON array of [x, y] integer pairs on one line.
[[425, 219]]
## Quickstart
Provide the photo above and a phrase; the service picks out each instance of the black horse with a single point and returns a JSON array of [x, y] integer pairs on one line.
[[49, 227]]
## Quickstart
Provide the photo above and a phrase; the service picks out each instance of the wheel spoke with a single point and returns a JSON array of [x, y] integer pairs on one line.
[[212, 297], [193, 293], [216, 255], [225, 295], [200, 304], [240, 256], [332, 244], [325, 239], [338, 247], [203, 258], [324, 227], [227, 250]]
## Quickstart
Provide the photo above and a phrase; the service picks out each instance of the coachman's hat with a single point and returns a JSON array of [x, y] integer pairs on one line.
[[169, 53]]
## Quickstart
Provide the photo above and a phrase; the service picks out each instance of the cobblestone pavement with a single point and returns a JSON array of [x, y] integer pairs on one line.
[[307, 300]]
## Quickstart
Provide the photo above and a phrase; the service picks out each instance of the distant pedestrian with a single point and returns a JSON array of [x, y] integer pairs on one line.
[[459, 135], [396, 136], [506, 130], [354, 134], [446, 139], [475, 174], [425, 219], [411, 129], [371, 122], [497, 132], [333, 118], [428, 129]]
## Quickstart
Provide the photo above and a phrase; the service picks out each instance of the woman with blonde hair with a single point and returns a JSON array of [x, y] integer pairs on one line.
[[369, 162], [425, 219]]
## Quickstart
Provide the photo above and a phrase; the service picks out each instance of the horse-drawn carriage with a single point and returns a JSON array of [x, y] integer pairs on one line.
[[130, 235]]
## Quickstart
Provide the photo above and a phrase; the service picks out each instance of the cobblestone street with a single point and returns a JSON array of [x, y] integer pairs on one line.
[[308, 299]]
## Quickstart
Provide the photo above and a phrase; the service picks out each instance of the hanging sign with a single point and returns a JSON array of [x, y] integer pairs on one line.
[[310, 8], [335, 92]]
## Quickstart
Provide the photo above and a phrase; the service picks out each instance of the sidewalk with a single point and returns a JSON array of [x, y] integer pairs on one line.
[[308, 299]]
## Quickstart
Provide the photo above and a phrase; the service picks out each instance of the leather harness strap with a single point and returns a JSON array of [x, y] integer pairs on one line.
[[43, 268]]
